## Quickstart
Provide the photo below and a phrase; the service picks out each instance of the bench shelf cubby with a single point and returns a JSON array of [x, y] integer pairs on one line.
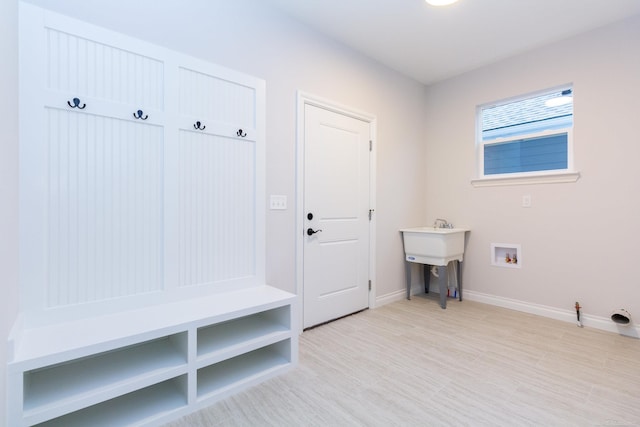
[[207, 349]]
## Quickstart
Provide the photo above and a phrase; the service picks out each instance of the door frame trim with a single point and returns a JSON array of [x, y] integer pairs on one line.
[[303, 99]]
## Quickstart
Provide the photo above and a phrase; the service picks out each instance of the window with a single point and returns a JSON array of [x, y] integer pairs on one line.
[[527, 137]]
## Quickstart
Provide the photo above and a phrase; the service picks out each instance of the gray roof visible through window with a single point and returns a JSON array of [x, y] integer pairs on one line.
[[524, 111]]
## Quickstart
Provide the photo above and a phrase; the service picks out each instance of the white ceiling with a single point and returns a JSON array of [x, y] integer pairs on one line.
[[431, 44]]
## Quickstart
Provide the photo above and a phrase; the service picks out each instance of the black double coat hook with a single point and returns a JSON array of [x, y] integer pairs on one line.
[[138, 115], [76, 104]]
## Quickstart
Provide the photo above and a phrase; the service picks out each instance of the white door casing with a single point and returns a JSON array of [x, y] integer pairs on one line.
[[336, 170]]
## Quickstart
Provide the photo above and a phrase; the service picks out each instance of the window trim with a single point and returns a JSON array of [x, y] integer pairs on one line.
[[567, 175], [546, 177]]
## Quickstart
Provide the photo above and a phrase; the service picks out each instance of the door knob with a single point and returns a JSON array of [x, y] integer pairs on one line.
[[311, 231]]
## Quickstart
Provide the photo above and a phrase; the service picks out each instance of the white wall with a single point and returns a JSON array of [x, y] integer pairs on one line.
[[249, 36], [579, 240], [8, 182]]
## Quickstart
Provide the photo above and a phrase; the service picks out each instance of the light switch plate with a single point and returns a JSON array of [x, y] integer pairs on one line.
[[526, 201], [277, 202]]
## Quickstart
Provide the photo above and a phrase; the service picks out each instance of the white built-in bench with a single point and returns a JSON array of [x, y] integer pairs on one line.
[[150, 365]]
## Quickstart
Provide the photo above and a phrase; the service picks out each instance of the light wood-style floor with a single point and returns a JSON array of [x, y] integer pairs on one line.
[[411, 363]]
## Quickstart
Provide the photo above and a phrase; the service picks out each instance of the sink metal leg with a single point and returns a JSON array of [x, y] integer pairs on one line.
[[427, 277], [459, 271], [444, 285], [407, 272]]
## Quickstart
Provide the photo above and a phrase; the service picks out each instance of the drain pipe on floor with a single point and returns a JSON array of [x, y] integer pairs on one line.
[[621, 317]]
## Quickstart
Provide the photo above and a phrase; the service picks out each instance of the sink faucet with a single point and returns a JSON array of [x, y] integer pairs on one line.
[[443, 223]]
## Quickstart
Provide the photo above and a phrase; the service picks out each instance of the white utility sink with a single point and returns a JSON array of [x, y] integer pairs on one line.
[[433, 246]]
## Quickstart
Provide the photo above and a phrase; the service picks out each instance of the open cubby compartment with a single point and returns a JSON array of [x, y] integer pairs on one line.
[[244, 370], [506, 255], [222, 340], [146, 406], [54, 390]]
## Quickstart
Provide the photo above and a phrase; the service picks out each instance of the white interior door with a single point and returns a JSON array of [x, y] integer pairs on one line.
[[336, 215]]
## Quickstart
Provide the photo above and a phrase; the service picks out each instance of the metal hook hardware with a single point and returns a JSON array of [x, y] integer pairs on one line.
[[138, 115], [199, 126], [76, 104], [241, 134]]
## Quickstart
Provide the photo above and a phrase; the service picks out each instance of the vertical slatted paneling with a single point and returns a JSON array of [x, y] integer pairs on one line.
[[126, 207], [206, 96], [217, 208], [105, 201], [86, 67]]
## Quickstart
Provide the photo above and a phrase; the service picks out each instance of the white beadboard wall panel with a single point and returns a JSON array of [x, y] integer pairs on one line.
[[217, 194], [105, 201], [210, 97], [117, 212], [78, 65]]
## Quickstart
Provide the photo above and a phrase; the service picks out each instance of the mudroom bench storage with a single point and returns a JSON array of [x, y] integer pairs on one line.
[[157, 363]]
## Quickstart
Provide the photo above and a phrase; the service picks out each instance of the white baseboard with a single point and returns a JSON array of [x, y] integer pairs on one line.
[[569, 316], [416, 289], [389, 298], [589, 321]]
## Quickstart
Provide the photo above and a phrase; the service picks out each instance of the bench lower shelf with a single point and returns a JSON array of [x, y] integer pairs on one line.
[[155, 374]]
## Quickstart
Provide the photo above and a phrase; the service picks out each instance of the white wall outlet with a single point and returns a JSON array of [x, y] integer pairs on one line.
[[526, 201], [278, 202]]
